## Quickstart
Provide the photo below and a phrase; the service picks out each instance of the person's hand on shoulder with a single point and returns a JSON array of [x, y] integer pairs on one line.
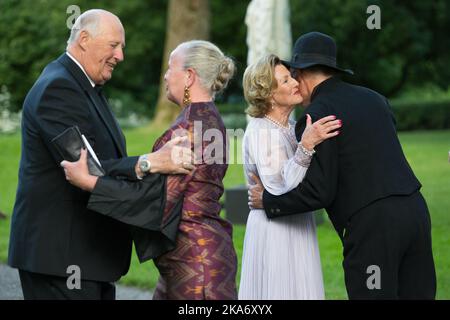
[[172, 158]]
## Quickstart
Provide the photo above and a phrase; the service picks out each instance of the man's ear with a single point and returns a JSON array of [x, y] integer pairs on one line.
[[83, 39]]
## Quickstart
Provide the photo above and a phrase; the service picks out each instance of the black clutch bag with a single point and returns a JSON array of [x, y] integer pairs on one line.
[[69, 143]]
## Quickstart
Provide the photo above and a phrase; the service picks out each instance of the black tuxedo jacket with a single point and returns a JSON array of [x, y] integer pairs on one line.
[[52, 228], [364, 163]]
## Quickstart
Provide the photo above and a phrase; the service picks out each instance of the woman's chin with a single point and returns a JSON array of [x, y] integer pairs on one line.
[[301, 105], [172, 99], [304, 104]]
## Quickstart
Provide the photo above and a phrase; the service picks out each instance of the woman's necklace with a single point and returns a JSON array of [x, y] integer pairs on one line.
[[289, 134], [276, 122]]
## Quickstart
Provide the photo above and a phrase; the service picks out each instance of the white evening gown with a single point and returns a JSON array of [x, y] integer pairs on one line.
[[281, 258]]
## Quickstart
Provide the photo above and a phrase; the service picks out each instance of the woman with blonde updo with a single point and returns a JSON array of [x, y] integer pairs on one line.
[[203, 264]]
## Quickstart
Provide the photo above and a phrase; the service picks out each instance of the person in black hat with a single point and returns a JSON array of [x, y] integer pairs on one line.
[[363, 180]]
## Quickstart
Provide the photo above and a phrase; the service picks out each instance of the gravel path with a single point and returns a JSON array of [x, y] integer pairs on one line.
[[10, 287]]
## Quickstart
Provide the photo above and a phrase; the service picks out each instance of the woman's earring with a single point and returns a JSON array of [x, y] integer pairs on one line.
[[187, 96]]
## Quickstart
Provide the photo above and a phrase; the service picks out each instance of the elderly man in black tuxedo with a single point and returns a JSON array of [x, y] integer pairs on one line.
[[52, 228], [363, 180]]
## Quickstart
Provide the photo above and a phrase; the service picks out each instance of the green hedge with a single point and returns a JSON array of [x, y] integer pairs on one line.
[[419, 115], [410, 114], [231, 108]]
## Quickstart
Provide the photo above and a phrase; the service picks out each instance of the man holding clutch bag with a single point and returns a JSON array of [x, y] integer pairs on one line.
[[52, 231]]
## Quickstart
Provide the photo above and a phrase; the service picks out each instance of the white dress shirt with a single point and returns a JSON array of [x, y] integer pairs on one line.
[[81, 67]]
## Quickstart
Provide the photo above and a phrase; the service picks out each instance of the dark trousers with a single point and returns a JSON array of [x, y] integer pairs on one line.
[[387, 250], [37, 286]]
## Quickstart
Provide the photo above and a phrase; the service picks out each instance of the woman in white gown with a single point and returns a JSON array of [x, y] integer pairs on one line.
[[281, 257]]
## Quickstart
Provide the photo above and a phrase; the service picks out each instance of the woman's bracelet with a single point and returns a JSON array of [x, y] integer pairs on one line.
[[303, 156], [306, 151]]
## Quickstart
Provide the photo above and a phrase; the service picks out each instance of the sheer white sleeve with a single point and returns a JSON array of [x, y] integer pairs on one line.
[[279, 167]]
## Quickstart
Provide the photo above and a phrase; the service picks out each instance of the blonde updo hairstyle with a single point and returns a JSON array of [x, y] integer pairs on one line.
[[259, 82], [213, 68]]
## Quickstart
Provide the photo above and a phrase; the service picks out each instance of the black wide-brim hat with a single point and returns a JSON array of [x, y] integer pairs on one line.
[[314, 48]]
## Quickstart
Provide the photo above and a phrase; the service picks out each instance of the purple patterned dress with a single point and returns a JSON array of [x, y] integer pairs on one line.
[[203, 265]]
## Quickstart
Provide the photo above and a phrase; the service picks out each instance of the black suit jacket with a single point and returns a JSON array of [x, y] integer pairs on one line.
[[364, 163], [52, 228]]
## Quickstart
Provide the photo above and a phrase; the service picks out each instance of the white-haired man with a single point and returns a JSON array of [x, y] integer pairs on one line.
[[53, 233]]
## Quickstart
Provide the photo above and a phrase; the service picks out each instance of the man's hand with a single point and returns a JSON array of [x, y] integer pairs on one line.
[[173, 157], [77, 173], [255, 192]]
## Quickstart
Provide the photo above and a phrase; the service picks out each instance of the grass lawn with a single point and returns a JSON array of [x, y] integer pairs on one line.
[[427, 152]]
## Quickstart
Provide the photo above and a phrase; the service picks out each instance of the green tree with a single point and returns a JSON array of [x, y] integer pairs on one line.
[[409, 49], [187, 20], [33, 33]]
